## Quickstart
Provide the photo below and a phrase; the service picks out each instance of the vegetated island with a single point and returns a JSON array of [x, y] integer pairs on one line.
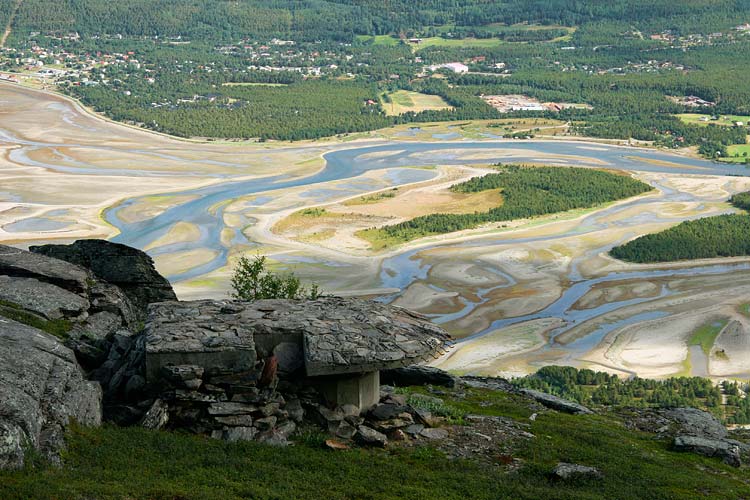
[[720, 236], [527, 192]]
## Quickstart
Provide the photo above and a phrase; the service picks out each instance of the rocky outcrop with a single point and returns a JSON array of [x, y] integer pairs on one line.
[[20, 263], [556, 403], [130, 269], [93, 318], [726, 449], [43, 299], [42, 389], [670, 422], [691, 430]]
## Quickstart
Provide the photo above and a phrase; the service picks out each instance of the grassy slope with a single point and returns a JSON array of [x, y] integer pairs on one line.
[[113, 463]]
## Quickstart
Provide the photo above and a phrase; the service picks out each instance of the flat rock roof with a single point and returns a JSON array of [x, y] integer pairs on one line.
[[337, 335]]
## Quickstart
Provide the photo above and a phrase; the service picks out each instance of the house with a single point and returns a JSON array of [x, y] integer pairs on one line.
[[456, 67]]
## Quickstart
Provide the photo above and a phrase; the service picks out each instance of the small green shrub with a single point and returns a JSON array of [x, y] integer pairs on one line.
[[253, 281]]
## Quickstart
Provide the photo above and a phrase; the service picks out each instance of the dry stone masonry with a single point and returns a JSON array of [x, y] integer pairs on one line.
[[243, 370]]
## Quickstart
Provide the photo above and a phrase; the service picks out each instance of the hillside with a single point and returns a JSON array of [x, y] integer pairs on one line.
[[506, 449]]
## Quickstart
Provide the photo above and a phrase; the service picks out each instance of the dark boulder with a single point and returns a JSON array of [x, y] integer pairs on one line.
[[418, 375], [128, 268], [42, 389]]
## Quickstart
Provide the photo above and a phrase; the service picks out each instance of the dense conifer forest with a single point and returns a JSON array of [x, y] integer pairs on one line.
[[527, 192], [721, 236]]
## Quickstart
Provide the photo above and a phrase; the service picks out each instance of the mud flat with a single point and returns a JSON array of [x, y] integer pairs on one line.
[[516, 296]]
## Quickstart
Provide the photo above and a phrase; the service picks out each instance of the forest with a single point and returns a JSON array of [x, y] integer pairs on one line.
[[592, 53], [602, 389], [342, 19], [720, 236], [527, 192]]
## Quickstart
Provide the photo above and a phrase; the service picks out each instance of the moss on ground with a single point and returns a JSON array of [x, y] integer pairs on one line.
[[59, 327]]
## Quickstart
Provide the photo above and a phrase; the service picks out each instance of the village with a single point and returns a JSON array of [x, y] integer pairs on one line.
[[63, 59]]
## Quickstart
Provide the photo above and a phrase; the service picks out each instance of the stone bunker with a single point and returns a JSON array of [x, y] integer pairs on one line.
[[336, 345]]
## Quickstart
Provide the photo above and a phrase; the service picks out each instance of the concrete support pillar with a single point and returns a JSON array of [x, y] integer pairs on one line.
[[362, 390]]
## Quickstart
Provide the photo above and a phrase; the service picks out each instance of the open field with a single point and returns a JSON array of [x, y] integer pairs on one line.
[[435, 41], [705, 120], [405, 101], [738, 153]]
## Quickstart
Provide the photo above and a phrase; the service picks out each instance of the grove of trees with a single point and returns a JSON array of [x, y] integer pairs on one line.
[[527, 192], [720, 236]]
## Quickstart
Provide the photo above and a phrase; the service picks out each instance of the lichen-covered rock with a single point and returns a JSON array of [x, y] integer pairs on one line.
[[695, 422], [42, 389], [727, 450], [128, 268], [556, 403], [157, 416], [20, 263], [336, 335], [43, 299], [565, 470], [675, 421], [370, 437]]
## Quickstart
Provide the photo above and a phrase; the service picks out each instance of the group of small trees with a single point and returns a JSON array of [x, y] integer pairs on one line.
[[252, 280]]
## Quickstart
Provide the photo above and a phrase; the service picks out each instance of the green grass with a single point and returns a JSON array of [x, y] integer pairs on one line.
[[379, 39], [58, 327], [404, 101], [133, 463], [745, 310], [437, 41], [723, 120], [434, 41], [706, 335], [738, 153]]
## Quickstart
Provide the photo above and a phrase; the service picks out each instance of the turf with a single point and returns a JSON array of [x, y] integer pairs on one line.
[[133, 463]]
